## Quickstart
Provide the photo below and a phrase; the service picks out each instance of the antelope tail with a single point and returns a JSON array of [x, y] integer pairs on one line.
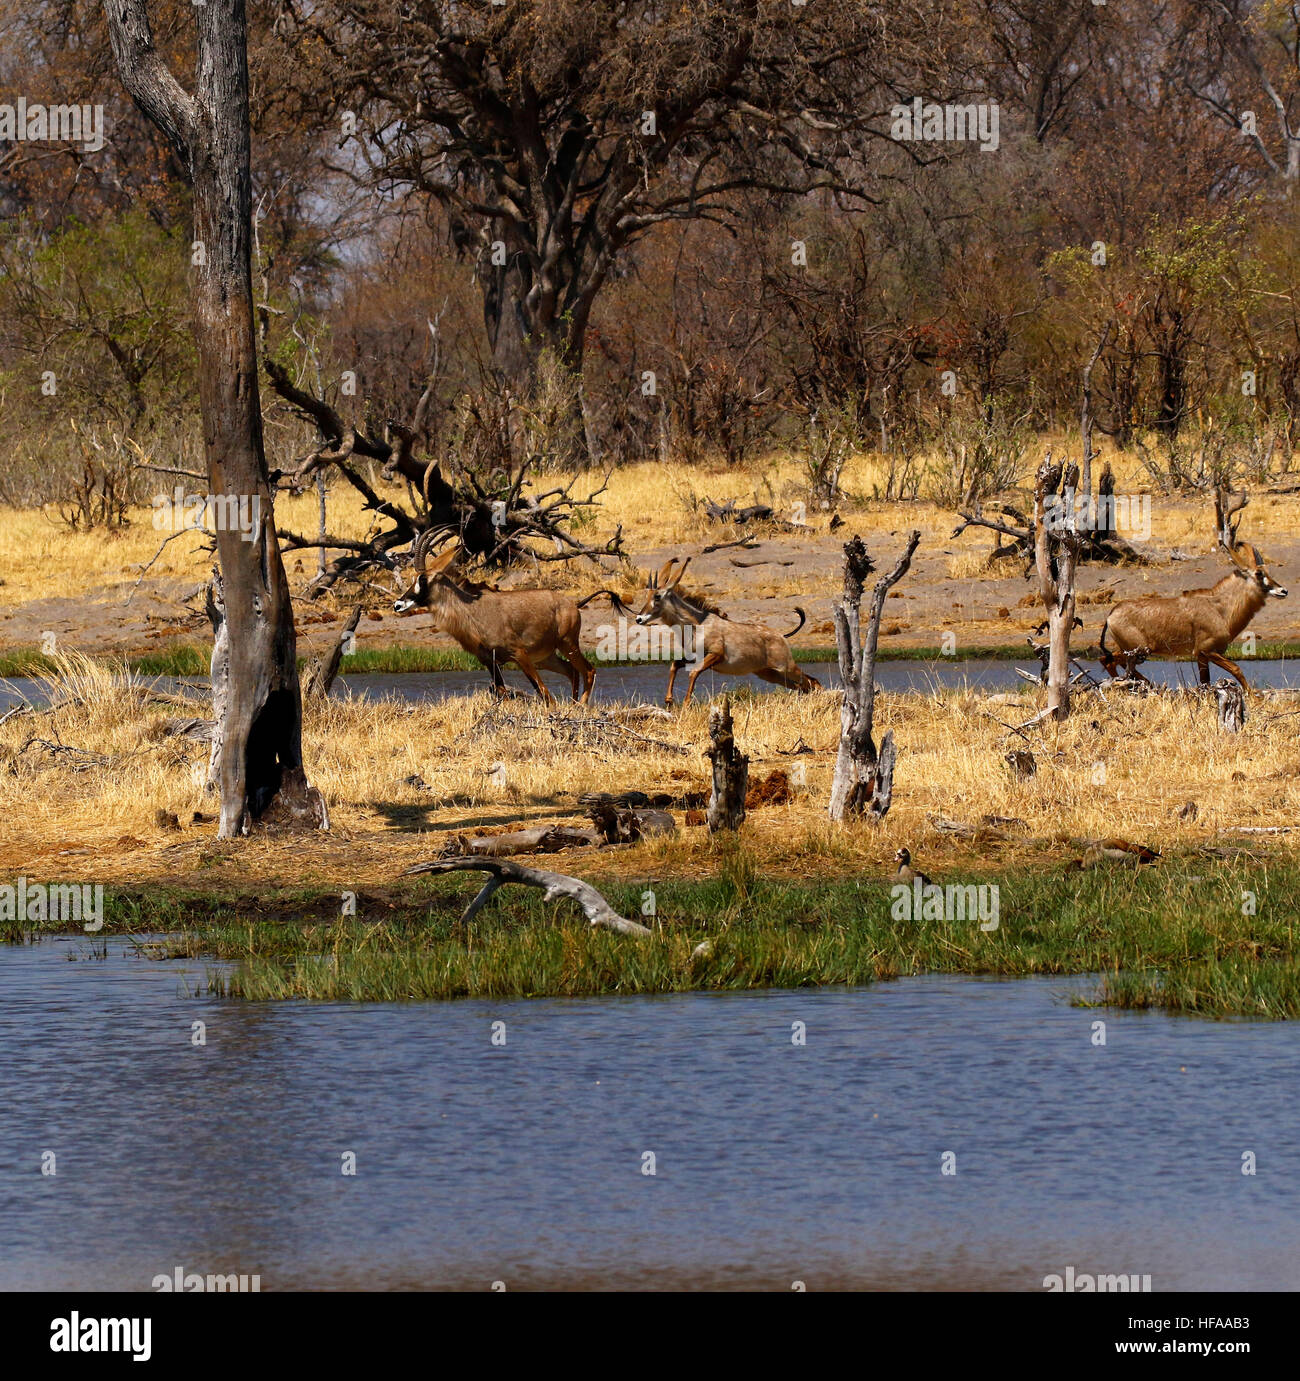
[[618, 603], [803, 618]]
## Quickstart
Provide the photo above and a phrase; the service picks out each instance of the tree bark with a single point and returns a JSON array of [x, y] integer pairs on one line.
[[1231, 705], [730, 772], [1056, 555], [258, 752], [864, 776]]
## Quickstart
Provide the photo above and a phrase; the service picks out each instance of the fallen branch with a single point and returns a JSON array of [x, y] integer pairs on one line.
[[555, 885]]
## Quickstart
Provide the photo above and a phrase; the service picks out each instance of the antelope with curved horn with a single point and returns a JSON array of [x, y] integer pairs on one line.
[[528, 627], [735, 649], [1197, 623]]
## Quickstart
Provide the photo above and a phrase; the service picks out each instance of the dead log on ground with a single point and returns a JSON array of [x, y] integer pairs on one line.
[[540, 839], [597, 910], [615, 825]]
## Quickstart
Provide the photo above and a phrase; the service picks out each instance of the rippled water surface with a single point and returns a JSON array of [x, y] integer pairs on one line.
[[524, 1164], [648, 682]]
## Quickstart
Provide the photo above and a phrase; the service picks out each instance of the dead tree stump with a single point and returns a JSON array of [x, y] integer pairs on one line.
[[730, 772], [1022, 762], [864, 776], [1232, 705], [323, 670], [1056, 555]]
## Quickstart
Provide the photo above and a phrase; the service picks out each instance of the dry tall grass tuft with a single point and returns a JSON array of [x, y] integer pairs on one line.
[[81, 784]]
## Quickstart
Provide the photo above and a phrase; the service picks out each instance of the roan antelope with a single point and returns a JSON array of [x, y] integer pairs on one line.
[[735, 649], [528, 627], [1197, 623]]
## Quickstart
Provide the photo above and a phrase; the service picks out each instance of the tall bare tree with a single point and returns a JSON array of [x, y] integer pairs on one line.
[[555, 133], [258, 763]]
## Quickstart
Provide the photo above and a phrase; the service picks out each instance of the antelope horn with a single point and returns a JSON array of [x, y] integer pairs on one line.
[[426, 539], [1259, 560], [1237, 553]]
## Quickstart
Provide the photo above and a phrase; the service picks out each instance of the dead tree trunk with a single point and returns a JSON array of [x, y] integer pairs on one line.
[[864, 777], [730, 772], [1056, 555], [1232, 705], [323, 672], [1085, 415], [258, 752]]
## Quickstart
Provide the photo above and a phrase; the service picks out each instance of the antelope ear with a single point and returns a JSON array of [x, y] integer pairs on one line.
[[441, 564], [665, 571], [677, 579]]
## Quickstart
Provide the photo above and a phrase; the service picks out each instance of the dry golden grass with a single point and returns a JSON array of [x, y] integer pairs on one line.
[[81, 785], [652, 502]]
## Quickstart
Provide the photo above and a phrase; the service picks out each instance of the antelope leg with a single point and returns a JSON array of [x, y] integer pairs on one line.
[[710, 661], [525, 664], [1231, 667]]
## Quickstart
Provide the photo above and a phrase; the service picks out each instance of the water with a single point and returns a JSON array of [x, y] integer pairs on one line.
[[524, 1164], [630, 684]]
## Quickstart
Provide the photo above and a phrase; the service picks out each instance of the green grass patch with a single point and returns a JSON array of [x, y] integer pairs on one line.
[[1172, 938]]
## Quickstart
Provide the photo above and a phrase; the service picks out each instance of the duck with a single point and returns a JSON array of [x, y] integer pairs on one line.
[[906, 873], [1118, 852]]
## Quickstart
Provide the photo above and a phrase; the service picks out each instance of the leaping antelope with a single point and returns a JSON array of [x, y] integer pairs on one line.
[[1197, 623], [735, 649], [528, 627]]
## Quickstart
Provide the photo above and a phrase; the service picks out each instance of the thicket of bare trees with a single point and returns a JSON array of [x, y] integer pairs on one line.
[[597, 230]]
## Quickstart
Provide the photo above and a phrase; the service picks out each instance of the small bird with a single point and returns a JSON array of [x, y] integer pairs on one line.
[[906, 873]]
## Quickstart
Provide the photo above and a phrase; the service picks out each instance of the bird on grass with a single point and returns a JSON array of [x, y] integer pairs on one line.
[[906, 873], [1118, 853]]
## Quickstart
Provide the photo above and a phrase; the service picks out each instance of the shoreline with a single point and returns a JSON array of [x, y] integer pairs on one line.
[[1173, 937], [192, 659]]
